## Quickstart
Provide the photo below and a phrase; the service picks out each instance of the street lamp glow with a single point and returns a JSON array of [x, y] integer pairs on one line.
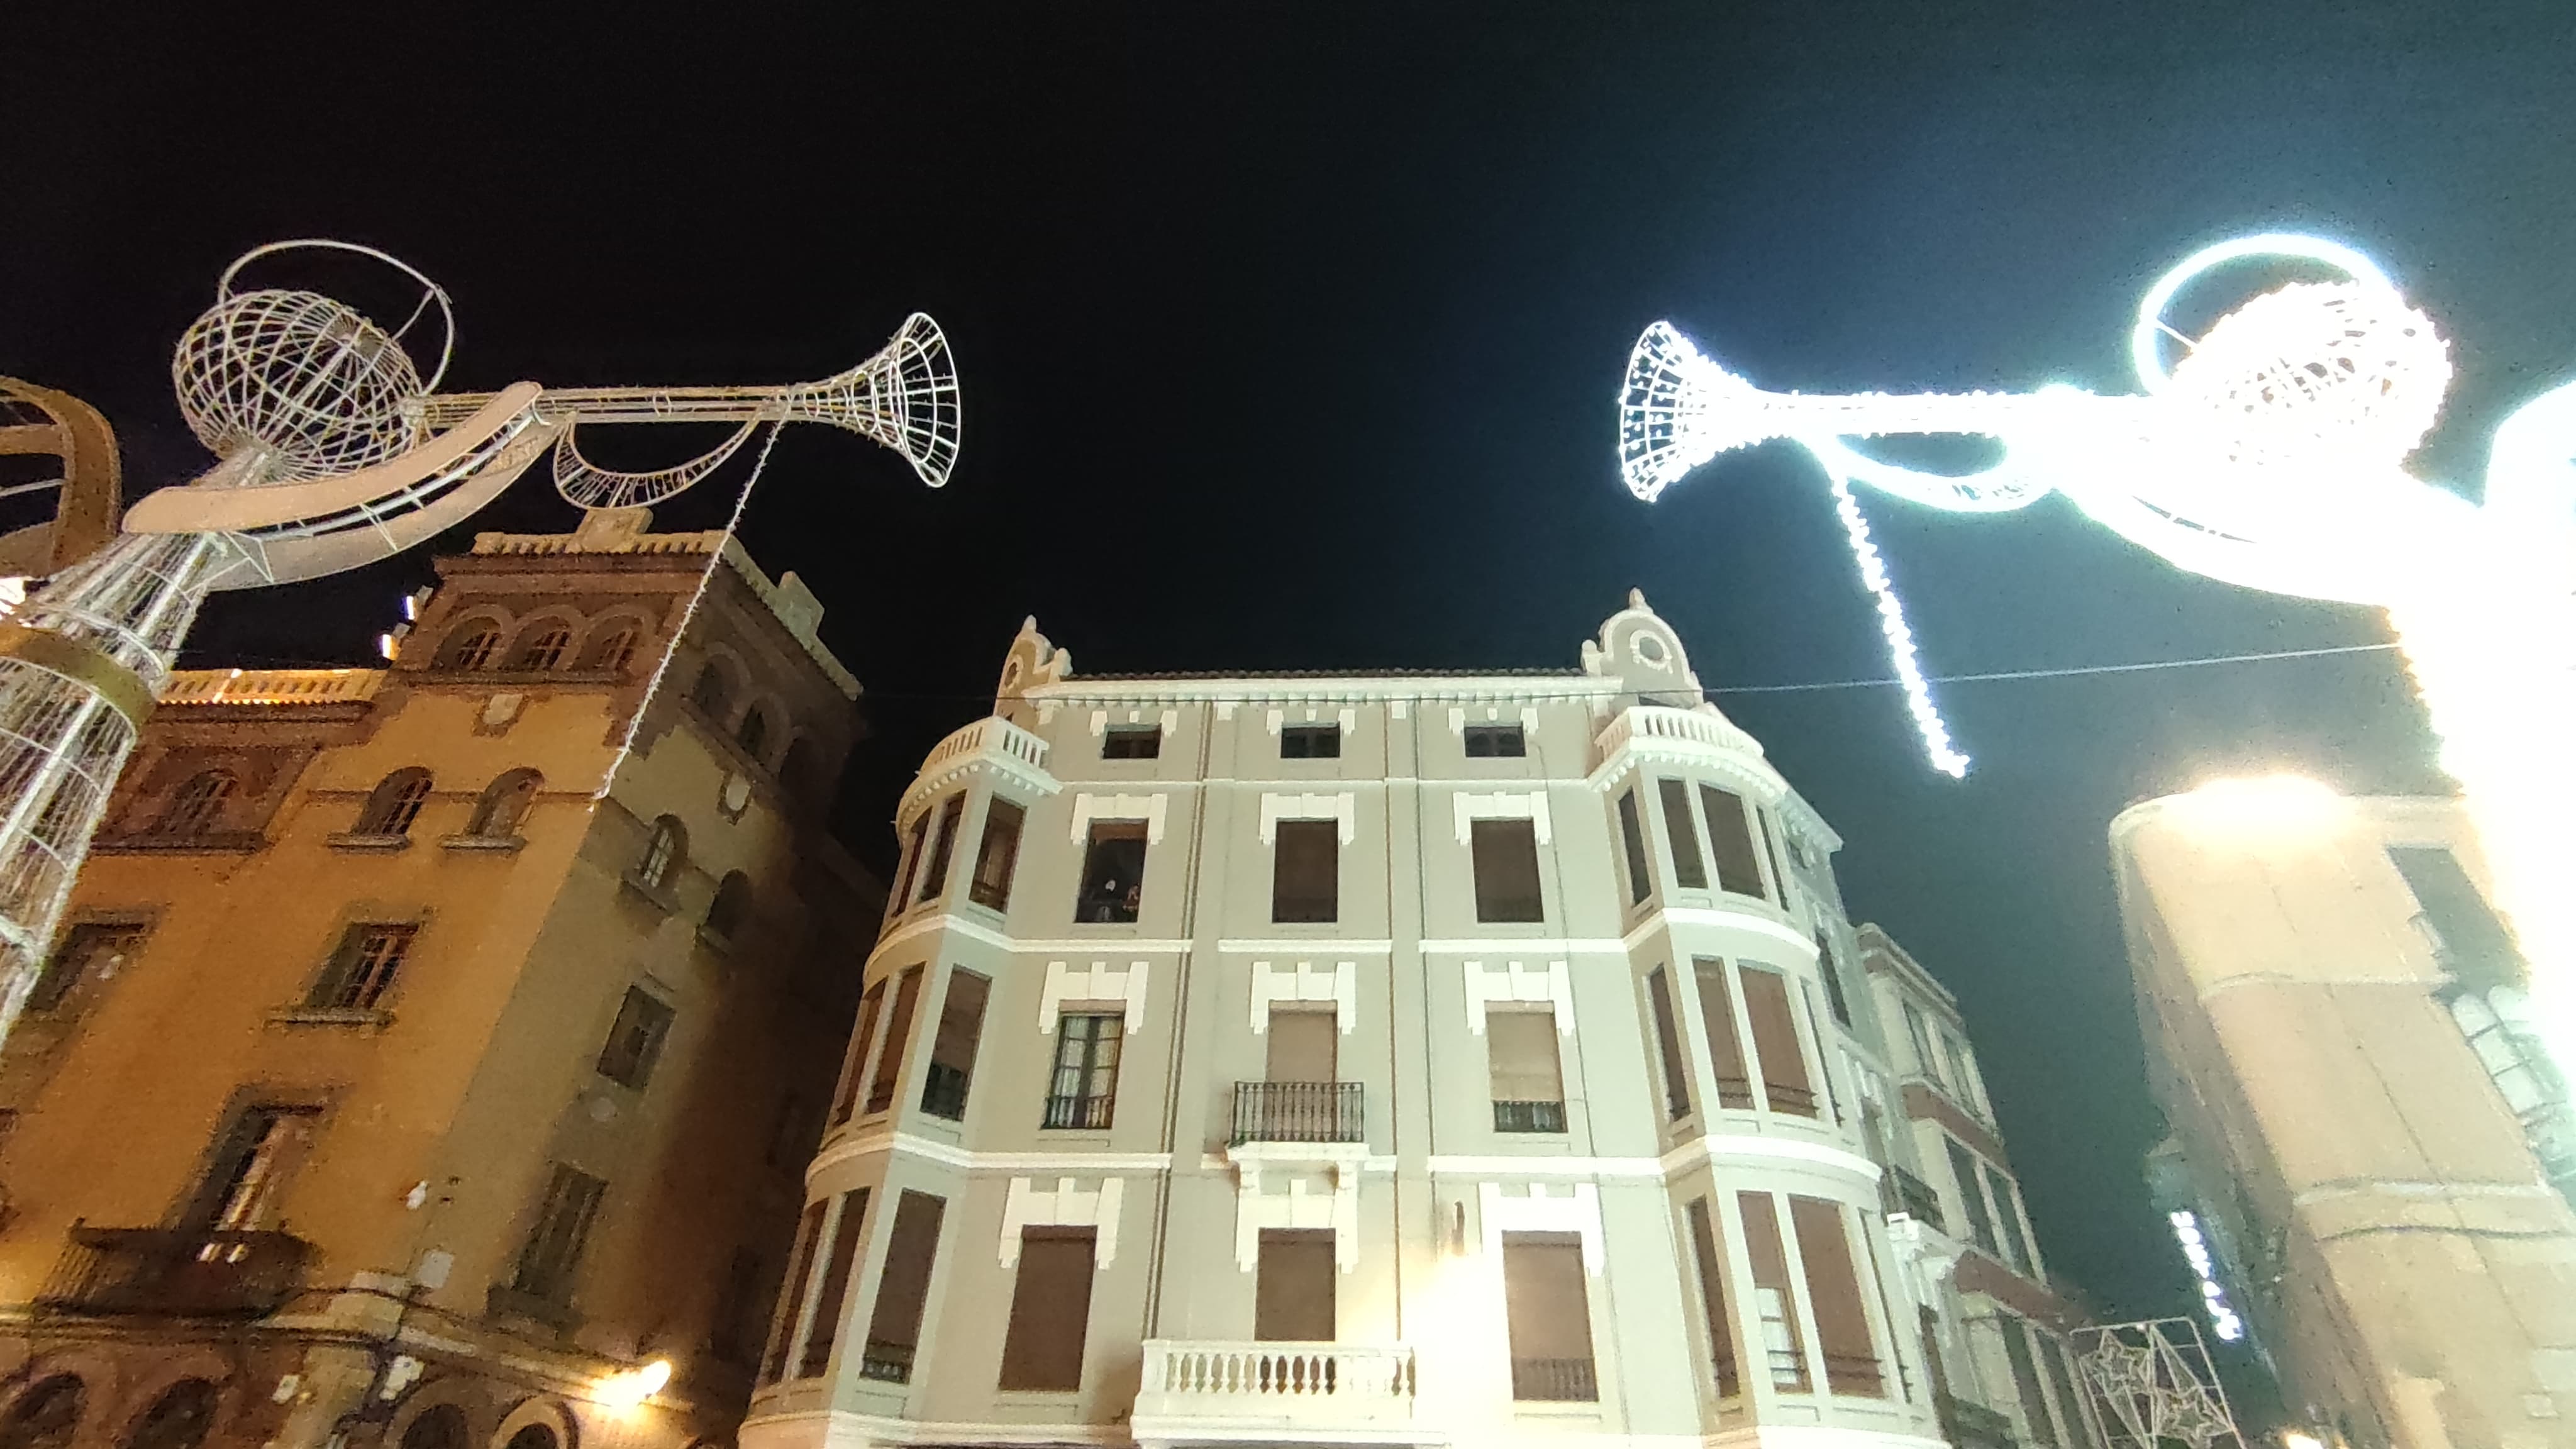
[[632, 1387], [2270, 452]]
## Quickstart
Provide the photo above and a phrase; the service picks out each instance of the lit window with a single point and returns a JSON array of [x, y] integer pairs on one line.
[[664, 854]]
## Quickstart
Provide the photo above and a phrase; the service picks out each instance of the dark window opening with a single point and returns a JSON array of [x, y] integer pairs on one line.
[[1777, 1052], [1305, 877], [1712, 1299], [862, 1037], [998, 856], [1113, 873], [952, 1048], [1548, 1317], [553, 1250], [197, 807], [1725, 1048], [1084, 1085], [665, 852], [1632, 843], [1832, 972], [616, 649], [91, 951], [1496, 742], [502, 805], [395, 803], [472, 647], [791, 1302], [1730, 839], [1505, 856], [544, 649], [829, 1308], [248, 1171], [898, 1040], [731, 910], [635, 1039], [1774, 1298], [1293, 1287], [1310, 742], [711, 692], [1668, 1045], [1682, 834], [753, 733], [178, 1419], [46, 1416], [1833, 1290], [943, 848], [2472, 942], [1050, 1311], [1132, 742], [363, 968]]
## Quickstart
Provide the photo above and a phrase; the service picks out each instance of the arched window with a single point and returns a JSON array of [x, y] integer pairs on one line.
[[544, 649], [753, 734], [731, 910], [535, 1436], [712, 692], [616, 648], [503, 805], [472, 646], [197, 807], [395, 803], [45, 1416], [440, 1426], [178, 1419], [664, 854]]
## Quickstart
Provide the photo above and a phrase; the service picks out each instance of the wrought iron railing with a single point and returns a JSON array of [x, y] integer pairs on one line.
[[1554, 1380], [943, 1091], [1076, 1112], [1900, 1191], [1299, 1112], [887, 1363], [174, 1273], [1529, 1116]]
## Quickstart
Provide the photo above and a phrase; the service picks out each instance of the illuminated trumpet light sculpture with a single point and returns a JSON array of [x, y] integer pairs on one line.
[[331, 452], [2271, 454]]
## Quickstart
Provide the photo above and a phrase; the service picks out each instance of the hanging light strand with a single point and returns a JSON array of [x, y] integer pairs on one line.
[[1900, 639]]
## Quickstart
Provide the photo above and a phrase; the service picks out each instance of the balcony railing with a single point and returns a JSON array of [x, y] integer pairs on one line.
[[1554, 1380], [1299, 1112], [174, 1273], [1672, 732], [1091, 1112], [1900, 1191], [887, 1363], [1529, 1116], [1970, 1425], [943, 1092], [1199, 1385]]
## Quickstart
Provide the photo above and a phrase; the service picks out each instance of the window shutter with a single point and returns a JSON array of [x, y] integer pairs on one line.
[[1833, 1286], [1305, 882], [1730, 839], [1688, 869], [1712, 1297], [1522, 1045], [1668, 1045], [1506, 864], [830, 1307], [1775, 1042], [1050, 1310], [907, 994], [903, 1288], [1293, 1293]]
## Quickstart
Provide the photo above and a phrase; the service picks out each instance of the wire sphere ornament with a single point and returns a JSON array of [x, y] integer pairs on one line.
[[2317, 369]]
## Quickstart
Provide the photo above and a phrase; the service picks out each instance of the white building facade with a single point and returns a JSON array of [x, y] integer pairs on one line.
[[1416, 1059]]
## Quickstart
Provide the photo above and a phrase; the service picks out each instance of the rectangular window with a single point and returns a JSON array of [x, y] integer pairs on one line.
[[829, 1307], [247, 1173], [1833, 1288], [1771, 853], [1963, 1072], [1496, 742], [1113, 873], [914, 842], [998, 856], [1981, 1224], [1304, 1045], [1310, 742], [1505, 856], [1548, 1317], [635, 1038], [1725, 1048], [91, 951], [1632, 839], [1292, 1295], [861, 1038], [553, 1250], [1132, 742], [1773, 1296], [1306, 871], [1786, 1085], [1085, 1082], [952, 1049], [2052, 1357], [1919, 1035], [791, 1301], [943, 847], [1827, 968], [903, 1289], [2472, 942], [1050, 1311], [1528, 1092], [898, 1040], [1730, 839], [1712, 1299], [1679, 830], [1668, 1045], [2025, 1373], [2007, 1220], [362, 970]]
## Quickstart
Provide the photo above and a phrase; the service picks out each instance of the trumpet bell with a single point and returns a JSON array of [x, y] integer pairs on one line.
[[905, 397], [1677, 410]]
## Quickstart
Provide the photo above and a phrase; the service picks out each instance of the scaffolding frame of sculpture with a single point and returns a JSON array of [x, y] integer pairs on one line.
[[331, 453], [2151, 1383], [2270, 455]]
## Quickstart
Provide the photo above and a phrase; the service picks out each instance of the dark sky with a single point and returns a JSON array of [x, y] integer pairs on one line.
[[1289, 336]]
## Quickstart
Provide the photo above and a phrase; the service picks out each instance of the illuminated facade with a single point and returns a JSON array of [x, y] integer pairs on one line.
[[1993, 1327], [2369, 1139], [1354, 1059], [402, 1077]]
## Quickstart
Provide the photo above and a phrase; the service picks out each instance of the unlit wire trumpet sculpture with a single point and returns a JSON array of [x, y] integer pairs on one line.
[[332, 452], [2271, 454]]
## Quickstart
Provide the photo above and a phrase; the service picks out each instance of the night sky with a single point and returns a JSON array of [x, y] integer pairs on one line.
[[1289, 337]]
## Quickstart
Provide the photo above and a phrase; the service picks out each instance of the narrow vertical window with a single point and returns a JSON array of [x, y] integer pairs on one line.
[[1972, 1196], [2052, 1357], [1292, 1294], [1306, 871], [1786, 1085], [2008, 1220], [1085, 1082], [552, 1252], [1688, 869], [903, 1289], [2025, 1373], [1632, 840], [247, 1173], [1712, 1299], [998, 856], [916, 841], [791, 1300], [666, 851], [1771, 852], [1668, 1045], [1725, 1048], [1528, 1090], [362, 969], [1050, 1311], [907, 995], [1505, 857], [1829, 969], [1730, 839], [1833, 1288], [1919, 1036], [830, 1307], [1113, 873], [861, 1038], [395, 803], [952, 1050], [635, 1038], [91, 951], [1774, 1298], [1548, 1318], [934, 876]]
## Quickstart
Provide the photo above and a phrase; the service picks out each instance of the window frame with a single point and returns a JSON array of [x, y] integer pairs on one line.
[[1313, 740], [1081, 1058], [636, 1038], [1131, 742], [1492, 736], [363, 967], [1089, 890], [1305, 872], [1494, 905], [1000, 843]]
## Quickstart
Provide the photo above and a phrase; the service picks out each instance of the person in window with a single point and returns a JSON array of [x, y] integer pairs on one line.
[[1103, 905]]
